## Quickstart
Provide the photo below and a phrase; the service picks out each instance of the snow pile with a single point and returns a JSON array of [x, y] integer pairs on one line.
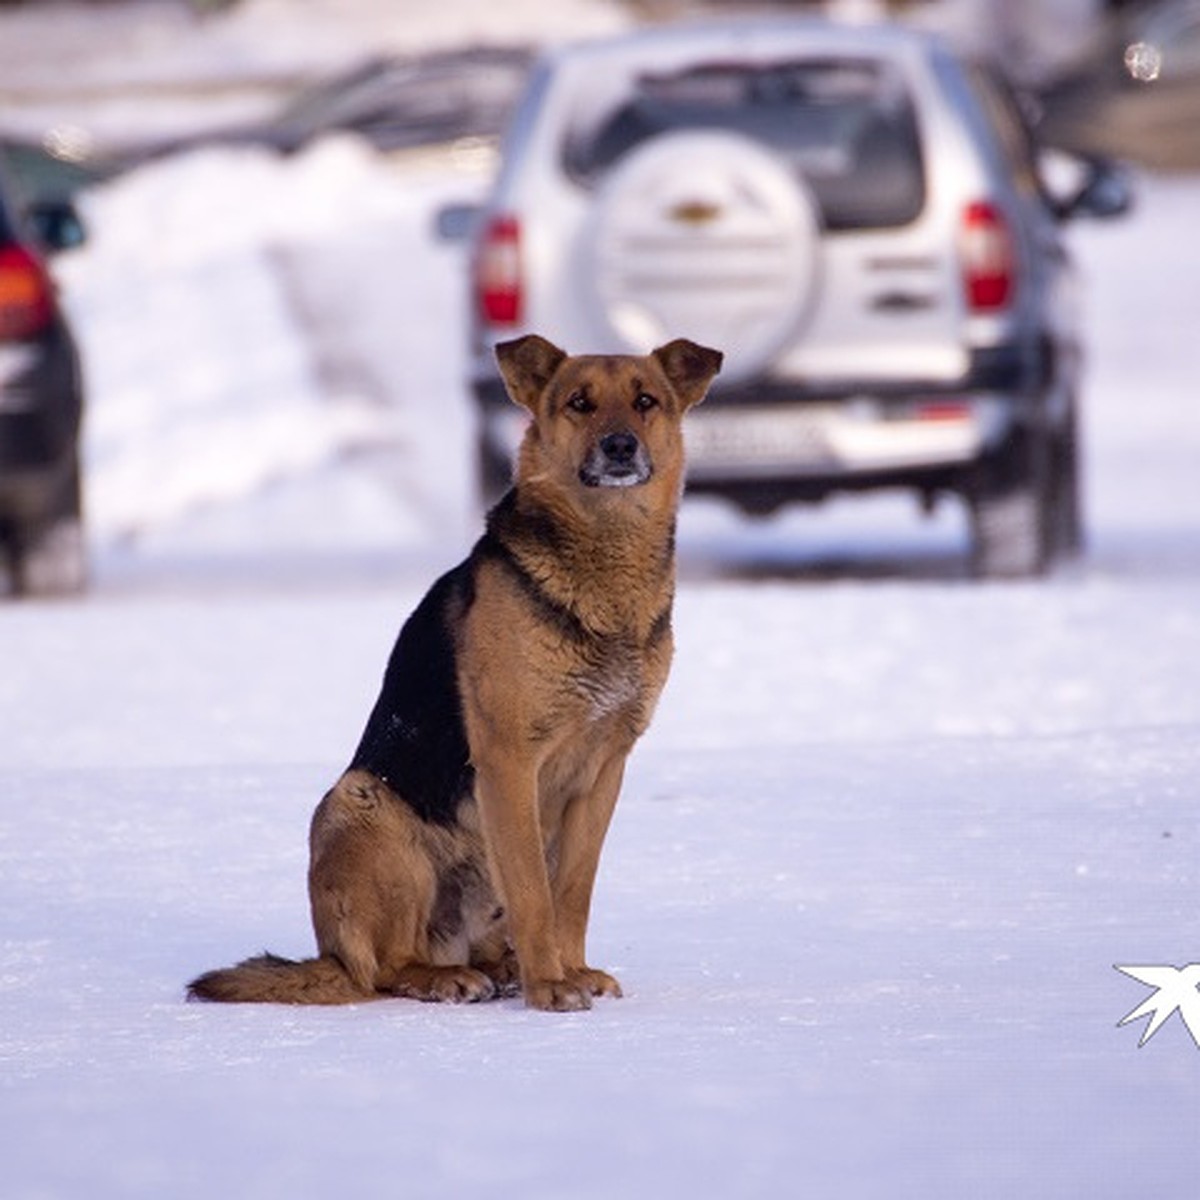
[[273, 351]]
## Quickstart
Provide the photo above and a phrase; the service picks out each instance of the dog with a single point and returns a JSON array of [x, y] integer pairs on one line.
[[454, 859]]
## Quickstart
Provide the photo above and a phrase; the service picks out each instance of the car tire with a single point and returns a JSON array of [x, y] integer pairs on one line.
[[50, 558], [1012, 515], [53, 563], [1068, 527]]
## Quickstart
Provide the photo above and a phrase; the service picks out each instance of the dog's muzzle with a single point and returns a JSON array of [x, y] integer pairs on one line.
[[618, 459]]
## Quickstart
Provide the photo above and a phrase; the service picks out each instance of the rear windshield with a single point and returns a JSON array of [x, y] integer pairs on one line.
[[846, 128]]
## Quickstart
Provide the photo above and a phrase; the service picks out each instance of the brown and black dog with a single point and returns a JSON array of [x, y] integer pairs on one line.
[[454, 859]]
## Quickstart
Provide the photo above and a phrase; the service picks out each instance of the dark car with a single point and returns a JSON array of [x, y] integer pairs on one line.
[[41, 402]]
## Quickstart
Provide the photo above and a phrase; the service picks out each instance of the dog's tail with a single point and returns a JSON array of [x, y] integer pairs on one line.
[[269, 979]]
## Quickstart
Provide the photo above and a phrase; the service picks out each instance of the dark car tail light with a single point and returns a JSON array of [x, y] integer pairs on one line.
[[26, 294], [988, 258], [498, 272]]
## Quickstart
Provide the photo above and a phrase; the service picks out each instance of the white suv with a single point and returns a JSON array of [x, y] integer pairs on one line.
[[853, 215]]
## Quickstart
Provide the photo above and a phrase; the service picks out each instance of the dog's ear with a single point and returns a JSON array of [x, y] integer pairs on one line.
[[689, 367], [528, 364]]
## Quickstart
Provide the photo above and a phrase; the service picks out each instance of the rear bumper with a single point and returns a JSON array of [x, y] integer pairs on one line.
[[834, 439]]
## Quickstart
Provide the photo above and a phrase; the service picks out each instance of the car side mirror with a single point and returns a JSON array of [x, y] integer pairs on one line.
[[56, 224]]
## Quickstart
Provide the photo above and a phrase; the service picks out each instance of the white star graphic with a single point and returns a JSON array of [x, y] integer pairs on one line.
[[1175, 988]]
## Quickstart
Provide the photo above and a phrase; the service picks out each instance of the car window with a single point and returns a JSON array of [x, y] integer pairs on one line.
[[846, 127]]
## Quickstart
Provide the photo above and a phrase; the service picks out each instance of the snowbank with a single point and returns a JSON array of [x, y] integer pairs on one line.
[[273, 352]]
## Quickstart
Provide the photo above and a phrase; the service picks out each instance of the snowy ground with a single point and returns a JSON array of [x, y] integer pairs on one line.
[[874, 863]]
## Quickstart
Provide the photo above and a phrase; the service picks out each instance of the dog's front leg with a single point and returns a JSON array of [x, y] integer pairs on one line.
[[508, 808], [585, 824]]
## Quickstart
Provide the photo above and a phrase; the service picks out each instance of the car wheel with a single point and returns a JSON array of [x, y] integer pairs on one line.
[[53, 562], [1067, 532], [49, 557], [1012, 516]]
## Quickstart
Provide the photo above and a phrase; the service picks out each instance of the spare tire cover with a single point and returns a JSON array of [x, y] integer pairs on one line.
[[705, 235]]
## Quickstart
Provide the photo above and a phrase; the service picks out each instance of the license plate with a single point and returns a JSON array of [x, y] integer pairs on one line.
[[756, 439]]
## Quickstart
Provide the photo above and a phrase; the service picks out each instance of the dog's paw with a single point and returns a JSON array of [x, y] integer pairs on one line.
[[449, 985], [556, 995], [504, 973], [595, 983]]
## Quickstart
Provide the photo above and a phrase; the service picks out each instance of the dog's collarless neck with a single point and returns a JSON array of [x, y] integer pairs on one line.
[[589, 584]]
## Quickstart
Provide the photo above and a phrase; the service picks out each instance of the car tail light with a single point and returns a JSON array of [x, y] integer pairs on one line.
[[498, 272], [988, 260], [26, 294]]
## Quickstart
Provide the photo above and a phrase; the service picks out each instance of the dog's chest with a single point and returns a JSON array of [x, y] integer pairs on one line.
[[609, 690], [611, 679]]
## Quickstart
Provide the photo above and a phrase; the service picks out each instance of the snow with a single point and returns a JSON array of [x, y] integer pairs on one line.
[[874, 862], [300, 366]]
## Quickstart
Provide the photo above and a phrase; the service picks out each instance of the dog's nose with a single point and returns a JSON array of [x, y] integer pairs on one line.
[[619, 448]]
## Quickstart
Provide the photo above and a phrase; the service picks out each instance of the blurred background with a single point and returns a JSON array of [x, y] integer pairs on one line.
[[272, 332]]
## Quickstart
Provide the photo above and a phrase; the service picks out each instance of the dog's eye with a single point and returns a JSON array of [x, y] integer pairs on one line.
[[579, 402], [645, 402]]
